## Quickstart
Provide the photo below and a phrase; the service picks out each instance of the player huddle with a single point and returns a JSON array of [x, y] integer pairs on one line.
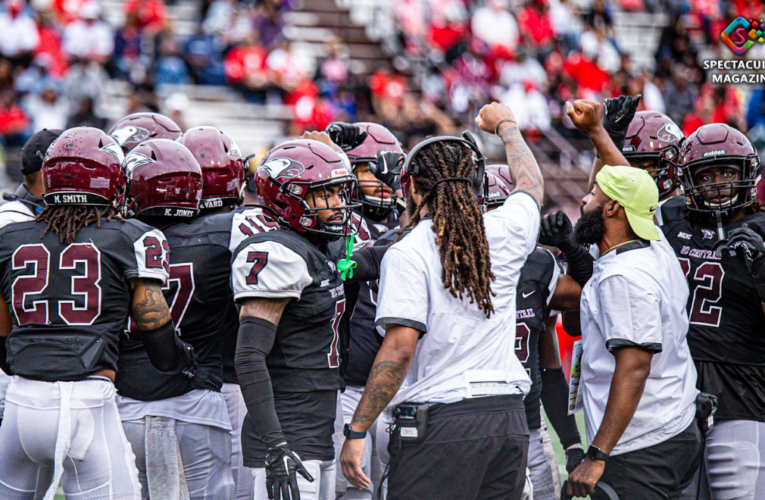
[[168, 340]]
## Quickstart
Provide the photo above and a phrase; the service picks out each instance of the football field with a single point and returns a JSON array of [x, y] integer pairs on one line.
[[556, 444]]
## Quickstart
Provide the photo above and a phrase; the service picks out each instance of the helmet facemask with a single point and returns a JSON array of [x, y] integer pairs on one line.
[[311, 221], [740, 192]]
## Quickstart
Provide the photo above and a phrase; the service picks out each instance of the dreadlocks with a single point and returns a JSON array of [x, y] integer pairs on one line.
[[457, 221], [67, 220]]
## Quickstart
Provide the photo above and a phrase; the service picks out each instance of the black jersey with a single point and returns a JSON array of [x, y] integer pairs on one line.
[[70, 303], [727, 326], [304, 360], [539, 275], [364, 341], [199, 294]]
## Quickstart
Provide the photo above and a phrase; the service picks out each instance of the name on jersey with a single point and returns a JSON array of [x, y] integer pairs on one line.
[[525, 314], [178, 212], [70, 198], [699, 253], [337, 292], [216, 203]]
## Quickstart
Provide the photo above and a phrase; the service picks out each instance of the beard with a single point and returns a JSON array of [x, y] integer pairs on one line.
[[590, 227]]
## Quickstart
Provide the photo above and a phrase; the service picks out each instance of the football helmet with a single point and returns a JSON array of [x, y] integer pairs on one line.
[[378, 139], [164, 180], [131, 130], [655, 137], [222, 166], [84, 166], [495, 191], [291, 172], [718, 145]]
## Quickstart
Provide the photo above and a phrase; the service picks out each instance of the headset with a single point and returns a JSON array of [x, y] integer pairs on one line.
[[411, 168]]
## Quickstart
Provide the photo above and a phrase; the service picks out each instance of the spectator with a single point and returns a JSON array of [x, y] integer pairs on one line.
[[229, 20], [600, 13], [522, 69], [47, 110], [13, 121], [127, 48], [245, 67], [86, 116], [335, 67], [18, 33], [652, 98], [89, 38], [6, 75], [495, 25], [50, 45], [597, 47], [536, 25], [679, 95], [66, 11], [169, 68], [529, 106], [565, 21], [203, 54], [268, 23], [151, 14], [288, 70], [85, 79], [36, 77]]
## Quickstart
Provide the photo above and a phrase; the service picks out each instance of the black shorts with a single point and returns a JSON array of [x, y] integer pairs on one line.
[[474, 449], [308, 422], [661, 471]]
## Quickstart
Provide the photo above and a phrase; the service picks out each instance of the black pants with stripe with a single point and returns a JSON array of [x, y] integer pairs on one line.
[[475, 449]]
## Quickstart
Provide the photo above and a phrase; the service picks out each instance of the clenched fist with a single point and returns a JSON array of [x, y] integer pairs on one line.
[[490, 116], [586, 115]]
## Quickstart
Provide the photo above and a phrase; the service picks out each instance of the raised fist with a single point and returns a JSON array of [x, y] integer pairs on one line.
[[490, 116], [586, 115]]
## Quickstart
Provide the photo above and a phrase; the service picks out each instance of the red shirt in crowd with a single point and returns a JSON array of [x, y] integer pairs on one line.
[[536, 26], [586, 73], [152, 14], [241, 62]]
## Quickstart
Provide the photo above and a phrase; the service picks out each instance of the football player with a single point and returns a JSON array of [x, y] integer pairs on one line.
[[367, 145], [26, 202], [131, 130], [69, 280], [541, 288], [223, 176], [718, 172], [171, 420], [292, 300]]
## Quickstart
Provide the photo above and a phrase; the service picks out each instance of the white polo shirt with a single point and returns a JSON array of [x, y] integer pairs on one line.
[[637, 296], [461, 353]]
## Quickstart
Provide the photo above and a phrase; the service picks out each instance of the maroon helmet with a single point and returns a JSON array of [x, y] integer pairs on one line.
[[131, 130], [164, 180], [84, 166], [654, 137], [222, 165], [288, 174], [718, 145], [495, 190], [378, 139], [503, 172]]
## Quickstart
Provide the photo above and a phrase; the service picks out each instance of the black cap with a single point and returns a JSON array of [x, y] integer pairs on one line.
[[34, 150]]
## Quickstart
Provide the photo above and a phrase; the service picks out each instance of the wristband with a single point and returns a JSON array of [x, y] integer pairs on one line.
[[351, 434], [595, 453], [496, 129]]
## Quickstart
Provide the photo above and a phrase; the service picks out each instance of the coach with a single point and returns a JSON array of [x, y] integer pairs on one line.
[[638, 380], [447, 301]]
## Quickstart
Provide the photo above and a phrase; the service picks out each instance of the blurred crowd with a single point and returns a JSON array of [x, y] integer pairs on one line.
[[452, 56]]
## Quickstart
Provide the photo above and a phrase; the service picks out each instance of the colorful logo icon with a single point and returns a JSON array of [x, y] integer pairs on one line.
[[741, 34]]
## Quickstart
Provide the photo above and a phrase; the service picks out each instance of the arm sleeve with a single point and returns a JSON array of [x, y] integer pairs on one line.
[[520, 217], [152, 257], [368, 261], [555, 402], [255, 340], [268, 269], [167, 353], [403, 298], [631, 314]]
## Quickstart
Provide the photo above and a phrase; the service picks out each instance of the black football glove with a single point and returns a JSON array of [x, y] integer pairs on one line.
[[617, 116], [282, 464], [750, 244], [556, 230], [574, 457], [345, 135], [387, 168]]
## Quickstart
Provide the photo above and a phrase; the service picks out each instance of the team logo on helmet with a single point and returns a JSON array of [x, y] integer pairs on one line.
[[234, 149], [116, 151], [670, 132], [133, 161], [283, 167], [125, 134]]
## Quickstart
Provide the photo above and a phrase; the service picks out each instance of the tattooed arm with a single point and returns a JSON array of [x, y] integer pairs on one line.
[[388, 372], [524, 169], [257, 333], [149, 308], [166, 351]]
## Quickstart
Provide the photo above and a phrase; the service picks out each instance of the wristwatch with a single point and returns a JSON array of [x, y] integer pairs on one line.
[[351, 434], [594, 453]]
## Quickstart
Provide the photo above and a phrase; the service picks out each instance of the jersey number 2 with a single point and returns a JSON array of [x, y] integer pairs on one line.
[[708, 291], [84, 286]]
